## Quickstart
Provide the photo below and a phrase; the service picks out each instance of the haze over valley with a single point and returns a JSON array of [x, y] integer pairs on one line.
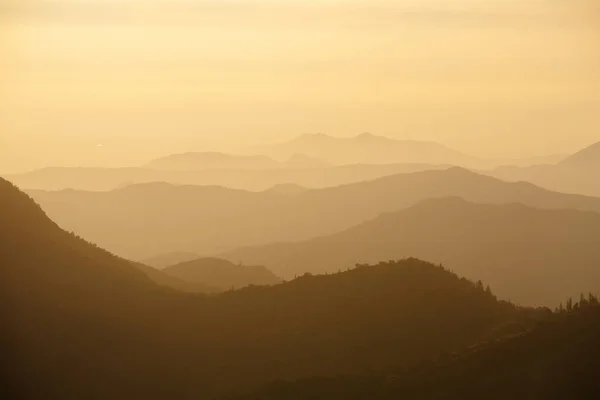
[[296, 200]]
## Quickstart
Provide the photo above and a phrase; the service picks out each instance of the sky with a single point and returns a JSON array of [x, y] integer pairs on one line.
[[119, 82]]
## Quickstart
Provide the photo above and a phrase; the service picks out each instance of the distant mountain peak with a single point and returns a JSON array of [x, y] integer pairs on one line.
[[367, 136], [588, 156], [368, 148]]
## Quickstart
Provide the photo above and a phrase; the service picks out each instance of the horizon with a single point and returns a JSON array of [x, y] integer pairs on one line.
[[300, 199], [92, 83], [247, 152]]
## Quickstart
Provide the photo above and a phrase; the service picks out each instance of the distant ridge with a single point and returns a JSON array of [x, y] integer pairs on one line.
[[532, 256], [79, 323], [221, 161], [578, 173], [588, 157], [144, 220], [368, 148], [221, 274], [312, 175], [166, 260], [289, 188]]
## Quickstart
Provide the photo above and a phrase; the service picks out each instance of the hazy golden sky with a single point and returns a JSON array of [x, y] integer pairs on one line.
[[111, 82]]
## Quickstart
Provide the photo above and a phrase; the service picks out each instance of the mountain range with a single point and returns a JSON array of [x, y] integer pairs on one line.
[[221, 274], [142, 221], [361, 158], [530, 256], [578, 173], [105, 179], [367, 148], [79, 322]]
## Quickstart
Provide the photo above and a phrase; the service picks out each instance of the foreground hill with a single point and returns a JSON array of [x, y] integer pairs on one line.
[[221, 274], [579, 173], [530, 256], [141, 221], [81, 323], [102, 179], [557, 360]]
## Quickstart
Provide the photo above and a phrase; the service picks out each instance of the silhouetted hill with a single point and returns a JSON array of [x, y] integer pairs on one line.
[[558, 359], [143, 220], [162, 261], [102, 179], [65, 305], [24, 225], [221, 274], [78, 322], [369, 149], [530, 256]]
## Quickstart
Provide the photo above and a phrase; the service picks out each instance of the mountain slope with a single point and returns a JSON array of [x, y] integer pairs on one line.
[[588, 158], [66, 306], [579, 173], [81, 323], [221, 274], [559, 359], [143, 220], [528, 255]]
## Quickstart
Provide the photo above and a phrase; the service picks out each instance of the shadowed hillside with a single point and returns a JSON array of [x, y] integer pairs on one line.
[[531, 256], [80, 323], [140, 221], [558, 359], [221, 274]]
